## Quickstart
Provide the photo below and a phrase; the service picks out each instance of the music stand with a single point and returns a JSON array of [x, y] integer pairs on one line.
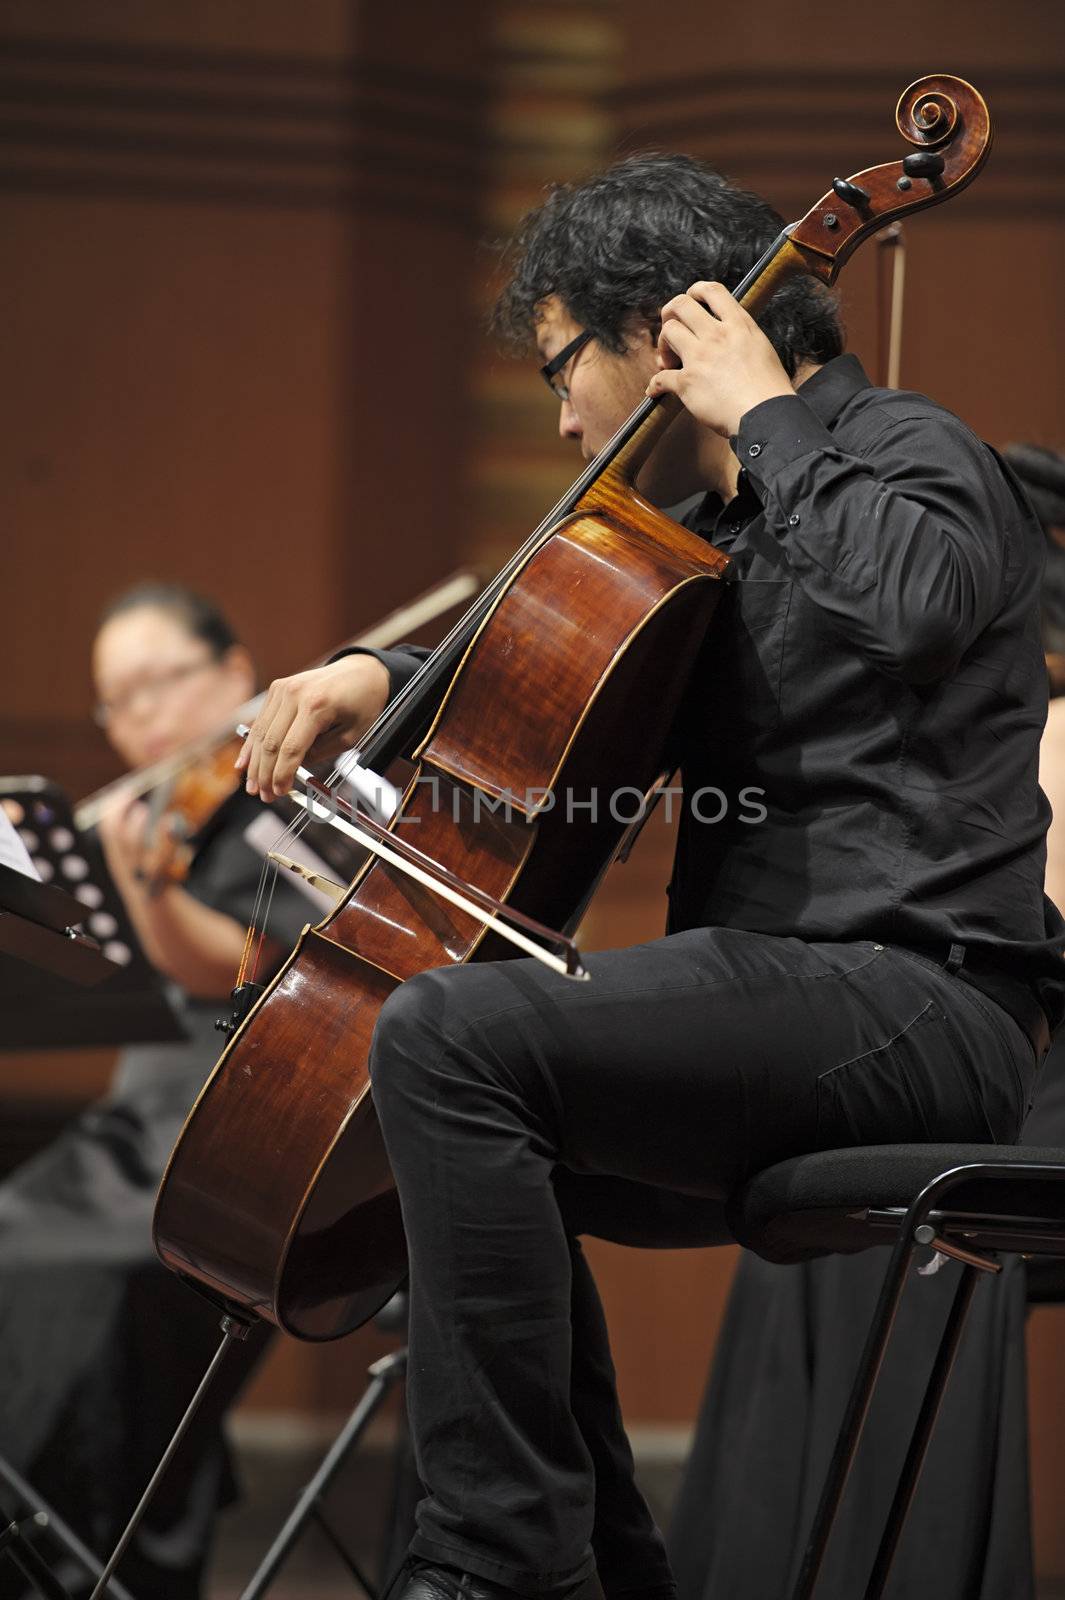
[[42, 946], [128, 1003], [41, 937]]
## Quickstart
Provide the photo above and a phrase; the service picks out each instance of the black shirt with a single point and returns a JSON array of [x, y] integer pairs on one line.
[[875, 667], [873, 680]]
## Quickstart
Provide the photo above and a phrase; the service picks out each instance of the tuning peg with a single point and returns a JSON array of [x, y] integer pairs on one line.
[[923, 164], [850, 193]]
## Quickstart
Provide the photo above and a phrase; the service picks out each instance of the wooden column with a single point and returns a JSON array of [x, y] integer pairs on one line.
[[238, 246], [237, 324]]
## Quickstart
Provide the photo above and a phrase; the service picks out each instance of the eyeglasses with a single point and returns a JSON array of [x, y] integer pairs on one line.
[[153, 686], [552, 368]]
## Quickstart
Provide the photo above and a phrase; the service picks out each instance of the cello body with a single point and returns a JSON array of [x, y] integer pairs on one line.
[[278, 1198]]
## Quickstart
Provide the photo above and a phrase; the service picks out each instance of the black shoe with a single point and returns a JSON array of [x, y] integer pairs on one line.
[[424, 1581]]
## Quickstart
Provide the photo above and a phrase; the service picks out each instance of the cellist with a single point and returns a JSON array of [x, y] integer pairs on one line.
[[868, 959]]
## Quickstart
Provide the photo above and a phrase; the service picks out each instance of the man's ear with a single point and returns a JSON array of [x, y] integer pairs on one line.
[[641, 334]]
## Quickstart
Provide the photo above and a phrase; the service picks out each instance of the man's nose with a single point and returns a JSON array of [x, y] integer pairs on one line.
[[569, 424]]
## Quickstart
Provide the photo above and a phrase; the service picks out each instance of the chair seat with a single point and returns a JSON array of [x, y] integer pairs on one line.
[[814, 1205]]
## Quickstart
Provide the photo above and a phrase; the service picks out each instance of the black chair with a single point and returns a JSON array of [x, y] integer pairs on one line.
[[963, 1200]]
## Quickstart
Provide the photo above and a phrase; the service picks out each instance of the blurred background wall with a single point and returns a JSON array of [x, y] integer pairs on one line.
[[245, 264]]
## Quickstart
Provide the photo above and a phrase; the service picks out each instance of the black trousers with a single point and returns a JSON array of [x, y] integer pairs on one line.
[[521, 1110]]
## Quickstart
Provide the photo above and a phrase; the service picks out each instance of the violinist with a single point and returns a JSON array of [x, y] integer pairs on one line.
[[100, 1348], [872, 959]]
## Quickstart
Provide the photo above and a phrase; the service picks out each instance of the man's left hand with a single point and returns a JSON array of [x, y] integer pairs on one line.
[[715, 358]]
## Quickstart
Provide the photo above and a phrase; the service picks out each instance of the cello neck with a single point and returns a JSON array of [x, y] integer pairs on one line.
[[613, 470], [620, 462]]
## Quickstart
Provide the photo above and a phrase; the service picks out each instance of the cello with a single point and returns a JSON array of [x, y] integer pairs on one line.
[[563, 677]]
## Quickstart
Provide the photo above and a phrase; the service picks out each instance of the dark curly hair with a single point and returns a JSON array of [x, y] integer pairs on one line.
[[616, 247]]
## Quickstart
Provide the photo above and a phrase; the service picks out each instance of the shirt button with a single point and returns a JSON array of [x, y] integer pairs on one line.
[[793, 520], [754, 450]]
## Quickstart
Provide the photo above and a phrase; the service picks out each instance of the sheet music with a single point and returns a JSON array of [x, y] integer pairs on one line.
[[13, 852]]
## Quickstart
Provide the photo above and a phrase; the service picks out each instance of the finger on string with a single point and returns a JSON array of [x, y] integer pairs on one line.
[[309, 724], [267, 746], [332, 741], [714, 298], [251, 764], [665, 355], [249, 754], [670, 380], [672, 308], [678, 338], [689, 313], [267, 709]]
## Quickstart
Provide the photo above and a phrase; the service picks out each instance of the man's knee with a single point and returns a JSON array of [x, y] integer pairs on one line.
[[407, 1031], [420, 1020], [444, 1024]]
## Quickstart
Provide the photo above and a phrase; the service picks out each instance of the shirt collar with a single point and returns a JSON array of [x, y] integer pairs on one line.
[[832, 385]]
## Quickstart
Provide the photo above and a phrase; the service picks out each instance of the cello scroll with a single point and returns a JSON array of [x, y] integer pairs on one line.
[[948, 121]]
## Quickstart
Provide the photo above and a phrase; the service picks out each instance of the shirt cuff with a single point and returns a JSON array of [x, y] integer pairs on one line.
[[777, 433], [400, 664]]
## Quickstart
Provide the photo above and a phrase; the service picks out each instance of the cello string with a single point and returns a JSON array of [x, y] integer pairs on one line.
[[266, 917], [255, 932], [264, 895]]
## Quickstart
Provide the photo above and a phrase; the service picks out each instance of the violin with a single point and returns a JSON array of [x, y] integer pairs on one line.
[[187, 788], [565, 675]]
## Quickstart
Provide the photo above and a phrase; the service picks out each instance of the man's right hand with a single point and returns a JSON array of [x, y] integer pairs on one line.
[[314, 714]]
